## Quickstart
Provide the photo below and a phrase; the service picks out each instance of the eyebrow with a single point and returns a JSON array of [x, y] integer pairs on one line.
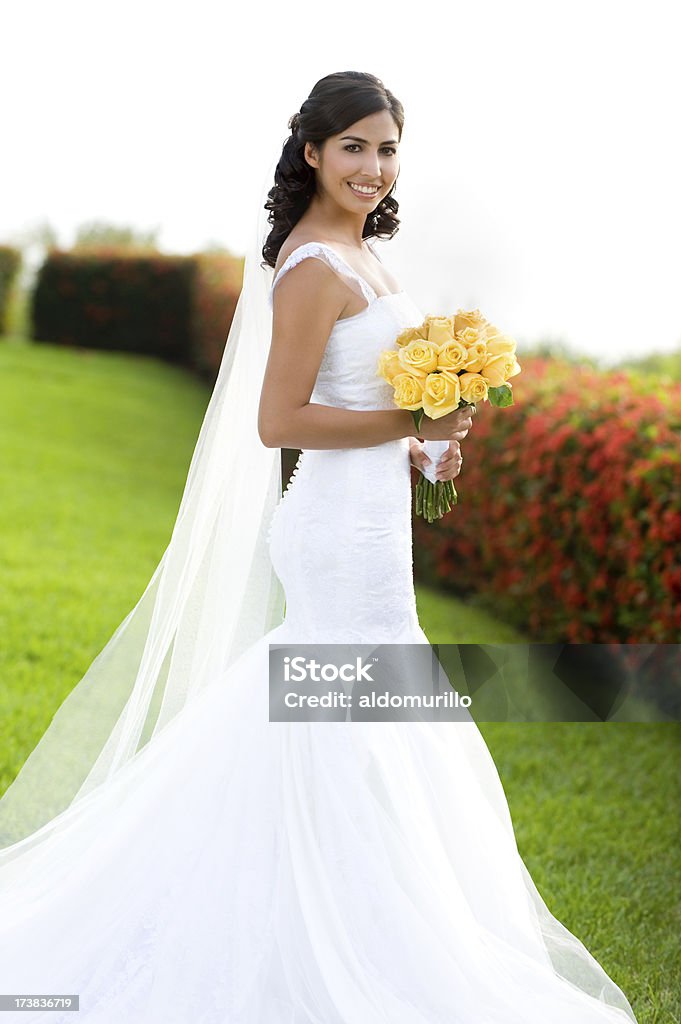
[[356, 138]]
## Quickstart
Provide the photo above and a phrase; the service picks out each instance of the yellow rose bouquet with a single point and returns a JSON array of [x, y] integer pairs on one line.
[[441, 365]]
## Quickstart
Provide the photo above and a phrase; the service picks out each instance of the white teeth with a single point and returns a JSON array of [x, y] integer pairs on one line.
[[368, 189]]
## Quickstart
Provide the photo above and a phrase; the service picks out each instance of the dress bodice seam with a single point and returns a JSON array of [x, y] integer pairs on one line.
[[335, 256]]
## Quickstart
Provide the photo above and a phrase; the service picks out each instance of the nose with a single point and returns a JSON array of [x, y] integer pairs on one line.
[[371, 166]]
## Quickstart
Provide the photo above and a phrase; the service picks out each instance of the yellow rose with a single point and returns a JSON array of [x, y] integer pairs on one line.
[[515, 369], [473, 387], [469, 336], [468, 318], [441, 394], [408, 392], [440, 329], [498, 369], [498, 343], [476, 349], [412, 334], [418, 357], [389, 364], [452, 355]]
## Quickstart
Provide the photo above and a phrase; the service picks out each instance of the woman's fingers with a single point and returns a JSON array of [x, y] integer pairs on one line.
[[449, 464], [419, 459]]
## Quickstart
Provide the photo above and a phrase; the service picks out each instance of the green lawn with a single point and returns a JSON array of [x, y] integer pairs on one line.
[[597, 815], [94, 453]]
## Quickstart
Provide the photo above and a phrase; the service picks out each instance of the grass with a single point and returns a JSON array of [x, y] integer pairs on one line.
[[595, 808], [447, 621], [95, 449], [596, 816]]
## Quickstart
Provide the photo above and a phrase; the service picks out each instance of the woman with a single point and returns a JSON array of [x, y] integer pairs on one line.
[[171, 854]]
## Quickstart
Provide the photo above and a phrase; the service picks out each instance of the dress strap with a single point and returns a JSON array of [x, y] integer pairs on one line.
[[324, 252]]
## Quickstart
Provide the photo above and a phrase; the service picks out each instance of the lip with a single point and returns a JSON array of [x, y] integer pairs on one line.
[[363, 195]]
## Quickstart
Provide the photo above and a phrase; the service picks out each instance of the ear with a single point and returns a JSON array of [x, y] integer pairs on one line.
[[311, 154]]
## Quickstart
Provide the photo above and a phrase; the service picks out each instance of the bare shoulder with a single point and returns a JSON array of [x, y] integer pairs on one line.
[[293, 242], [310, 289], [310, 277], [368, 266]]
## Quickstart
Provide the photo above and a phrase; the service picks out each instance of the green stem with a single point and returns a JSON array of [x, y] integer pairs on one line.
[[434, 500]]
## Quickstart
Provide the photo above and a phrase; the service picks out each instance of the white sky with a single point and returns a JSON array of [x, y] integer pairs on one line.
[[540, 166]]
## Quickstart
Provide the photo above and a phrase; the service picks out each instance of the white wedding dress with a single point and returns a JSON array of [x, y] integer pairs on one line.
[[257, 872]]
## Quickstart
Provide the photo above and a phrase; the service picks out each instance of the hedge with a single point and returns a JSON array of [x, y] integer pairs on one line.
[[10, 263], [178, 308], [217, 286], [569, 512]]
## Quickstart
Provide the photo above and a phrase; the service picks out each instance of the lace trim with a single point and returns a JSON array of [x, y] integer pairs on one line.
[[324, 252]]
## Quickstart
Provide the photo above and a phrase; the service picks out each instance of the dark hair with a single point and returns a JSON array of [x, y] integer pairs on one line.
[[336, 101]]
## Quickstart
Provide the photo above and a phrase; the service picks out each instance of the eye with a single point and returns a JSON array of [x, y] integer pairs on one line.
[[386, 149]]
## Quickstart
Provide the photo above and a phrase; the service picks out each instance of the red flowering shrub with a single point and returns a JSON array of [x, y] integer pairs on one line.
[[178, 308], [569, 514], [107, 298], [217, 287]]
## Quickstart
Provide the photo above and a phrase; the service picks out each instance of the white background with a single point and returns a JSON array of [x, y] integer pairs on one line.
[[540, 161]]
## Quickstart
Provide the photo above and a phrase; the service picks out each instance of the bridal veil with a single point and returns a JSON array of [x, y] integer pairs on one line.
[[213, 593]]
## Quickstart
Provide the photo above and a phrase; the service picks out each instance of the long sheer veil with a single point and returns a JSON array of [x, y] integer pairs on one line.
[[213, 594]]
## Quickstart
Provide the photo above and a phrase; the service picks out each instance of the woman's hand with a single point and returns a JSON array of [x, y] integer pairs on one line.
[[452, 427], [449, 464]]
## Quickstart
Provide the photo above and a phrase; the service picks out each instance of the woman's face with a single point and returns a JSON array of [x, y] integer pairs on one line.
[[367, 154]]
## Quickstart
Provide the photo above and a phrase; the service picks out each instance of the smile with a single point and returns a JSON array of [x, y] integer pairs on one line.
[[364, 190]]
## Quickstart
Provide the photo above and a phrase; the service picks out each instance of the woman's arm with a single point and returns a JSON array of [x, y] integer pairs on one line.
[[306, 304], [326, 426]]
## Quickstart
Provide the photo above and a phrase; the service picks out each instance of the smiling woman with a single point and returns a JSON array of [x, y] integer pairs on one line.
[[322, 159]]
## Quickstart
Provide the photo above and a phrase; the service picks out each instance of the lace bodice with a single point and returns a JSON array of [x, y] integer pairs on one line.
[[340, 538], [347, 375], [328, 254]]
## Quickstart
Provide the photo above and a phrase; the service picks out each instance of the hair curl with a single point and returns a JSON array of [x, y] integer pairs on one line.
[[336, 102]]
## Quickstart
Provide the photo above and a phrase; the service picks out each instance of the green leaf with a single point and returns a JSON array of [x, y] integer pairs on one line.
[[417, 415], [501, 396]]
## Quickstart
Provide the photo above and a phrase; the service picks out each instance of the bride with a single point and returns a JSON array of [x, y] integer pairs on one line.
[[170, 855]]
